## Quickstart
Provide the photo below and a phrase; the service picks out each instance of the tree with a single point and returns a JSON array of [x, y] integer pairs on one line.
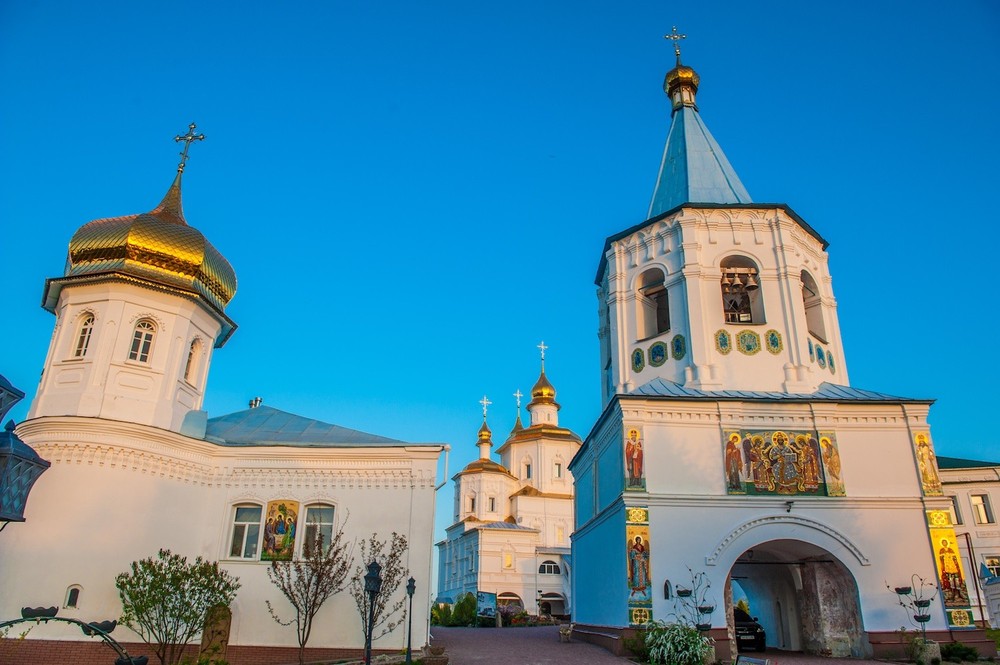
[[388, 613], [166, 600], [309, 582]]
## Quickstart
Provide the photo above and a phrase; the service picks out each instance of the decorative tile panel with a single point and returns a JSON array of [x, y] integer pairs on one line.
[[723, 342], [657, 354], [748, 342], [773, 342], [678, 347], [638, 360]]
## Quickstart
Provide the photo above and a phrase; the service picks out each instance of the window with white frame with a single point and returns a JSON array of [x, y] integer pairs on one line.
[[191, 366], [526, 469], [992, 564], [557, 470], [492, 502], [73, 596], [246, 532], [319, 526], [982, 512], [549, 568], [142, 341], [472, 504], [83, 336], [956, 511]]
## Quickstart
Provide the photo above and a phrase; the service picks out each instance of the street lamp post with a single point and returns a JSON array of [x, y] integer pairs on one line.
[[411, 586], [373, 585]]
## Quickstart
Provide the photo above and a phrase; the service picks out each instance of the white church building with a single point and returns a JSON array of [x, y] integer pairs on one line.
[[513, 518], [733, 457], [137, 465]]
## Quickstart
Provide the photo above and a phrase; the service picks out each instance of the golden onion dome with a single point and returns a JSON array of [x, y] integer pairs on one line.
[[543, 392], [157, 246], [485, 434], [678, 76]]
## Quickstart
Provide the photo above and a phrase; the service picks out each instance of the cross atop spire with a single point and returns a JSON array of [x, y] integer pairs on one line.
[[485, 402], [187, 138], [676, 38], [518, 396], [542, 347]]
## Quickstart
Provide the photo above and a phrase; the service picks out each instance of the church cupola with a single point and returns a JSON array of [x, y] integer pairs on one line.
[[139, 309], [543, 406], [518, 425], [485, 441]]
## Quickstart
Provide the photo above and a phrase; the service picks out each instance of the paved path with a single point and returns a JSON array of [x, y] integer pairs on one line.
[[541, 646]]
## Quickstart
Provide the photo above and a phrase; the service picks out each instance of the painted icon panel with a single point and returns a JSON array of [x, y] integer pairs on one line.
[[781, 462], [279, 530], [637, 558], [951, 575], [657, 354], [930, 482], [635, 473], [832, 470]]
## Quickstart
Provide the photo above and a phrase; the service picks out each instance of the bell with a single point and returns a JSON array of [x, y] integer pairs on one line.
[[752, 283], [726, 282]]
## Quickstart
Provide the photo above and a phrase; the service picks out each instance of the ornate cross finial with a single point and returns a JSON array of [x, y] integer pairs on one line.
[[518, 396], [676, 38], [485, 402], [187, 138], [542, 347]]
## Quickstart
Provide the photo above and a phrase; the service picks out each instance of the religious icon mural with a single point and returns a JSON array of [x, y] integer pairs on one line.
[[927, 461], [638, 360], [723, 342], [657, 354], [637, 555], [279, 530], [635, 478], [832, 471], [780, 462], [951, 577]]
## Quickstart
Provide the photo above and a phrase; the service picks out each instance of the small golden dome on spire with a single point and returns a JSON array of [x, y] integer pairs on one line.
[[681, 75], [485, 434], [543, 392]]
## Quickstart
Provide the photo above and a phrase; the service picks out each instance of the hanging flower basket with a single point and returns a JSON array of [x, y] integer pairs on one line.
[[924, 602], [703, 627], [921, 618], [903, 590], [706, 609], [682, 592]]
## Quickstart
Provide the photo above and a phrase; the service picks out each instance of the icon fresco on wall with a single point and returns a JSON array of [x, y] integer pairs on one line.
[[832, 471], [829, 361], [927, 461], [772, 339], [820, 356], [657, 354], [279, 530], [635, 478], [778, 462], [637, 556], [812, 354], [638, 361], [723, 342], [748, 342], [678, 347], [948, 560]]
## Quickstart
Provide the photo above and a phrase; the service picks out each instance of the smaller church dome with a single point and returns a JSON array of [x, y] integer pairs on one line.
[[678, 76], [543, 392], [158, 246], [485, 434]]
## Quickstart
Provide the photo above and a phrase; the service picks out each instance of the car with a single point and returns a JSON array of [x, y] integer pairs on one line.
[[749, 633]]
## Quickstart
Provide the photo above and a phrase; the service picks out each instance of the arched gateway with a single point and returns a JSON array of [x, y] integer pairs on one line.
[[803, 597]]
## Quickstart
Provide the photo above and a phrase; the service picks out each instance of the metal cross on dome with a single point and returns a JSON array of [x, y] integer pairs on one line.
[[518, 396], [188, 139], [485, 402], [676, 38]]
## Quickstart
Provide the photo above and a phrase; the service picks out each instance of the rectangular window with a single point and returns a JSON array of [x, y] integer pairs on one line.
[[527, 471], [319, 525], [982, 512], [993, 564], [472, 504], [493, 504], [956, 512], [246, 532], [558, 470]]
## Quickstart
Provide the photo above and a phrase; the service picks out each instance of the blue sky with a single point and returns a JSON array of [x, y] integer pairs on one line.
[[413, 195]]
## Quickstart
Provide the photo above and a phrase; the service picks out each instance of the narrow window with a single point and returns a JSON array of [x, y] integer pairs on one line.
[[558, 470], [956, 512], [741, 299], [652, 311], [191, 366], [813, 307], [982, 512], [527, 470], [493, 504], [472, 504], [73, 596], [246, 532], [549, 568], [83, 341], [142, 341], [319, 527]]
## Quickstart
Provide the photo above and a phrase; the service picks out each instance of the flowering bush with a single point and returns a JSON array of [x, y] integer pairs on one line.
[[677, 644]]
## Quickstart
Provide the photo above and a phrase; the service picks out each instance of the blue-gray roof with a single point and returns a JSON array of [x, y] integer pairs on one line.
[[827, 392], [266, 426], [504, 525], [694, 168]]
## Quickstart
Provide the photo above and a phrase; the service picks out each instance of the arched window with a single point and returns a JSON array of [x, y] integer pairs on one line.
[[652, 311], [549, 568], [814, 308], [246, 531], [83, 337], [191, 366], [73, 596], [741, 298], [142, 341], [319, 526]]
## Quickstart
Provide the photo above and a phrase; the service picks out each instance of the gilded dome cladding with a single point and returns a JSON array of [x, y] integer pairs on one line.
[[157, 246], [543, 392], [681, 74]]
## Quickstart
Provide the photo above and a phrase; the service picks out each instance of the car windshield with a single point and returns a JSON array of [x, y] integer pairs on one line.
[[740, 615]]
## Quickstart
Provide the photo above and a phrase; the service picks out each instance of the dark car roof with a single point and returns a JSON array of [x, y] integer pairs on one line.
[[740, 615]]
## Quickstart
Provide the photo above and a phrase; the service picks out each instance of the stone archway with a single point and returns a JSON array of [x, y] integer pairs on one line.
[[802, 596]]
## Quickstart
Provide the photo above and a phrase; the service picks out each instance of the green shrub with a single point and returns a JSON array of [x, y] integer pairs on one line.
[[637, 646], [677, 644], [441, 615], [464, 611], [956, 652]]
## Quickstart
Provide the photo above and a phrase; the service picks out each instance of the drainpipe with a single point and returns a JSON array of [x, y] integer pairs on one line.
[[975, 576]]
